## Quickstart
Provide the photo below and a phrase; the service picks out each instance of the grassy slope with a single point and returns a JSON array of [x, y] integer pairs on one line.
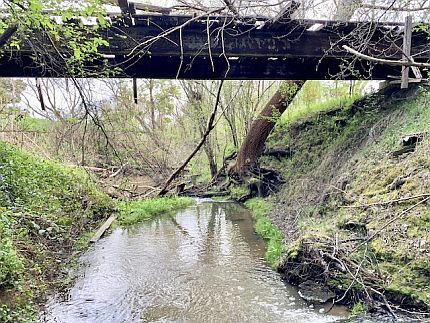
[[44, 210], [341, 158]]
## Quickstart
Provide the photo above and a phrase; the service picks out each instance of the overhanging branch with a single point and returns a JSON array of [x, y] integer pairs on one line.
[[7, 34], [385, 61]]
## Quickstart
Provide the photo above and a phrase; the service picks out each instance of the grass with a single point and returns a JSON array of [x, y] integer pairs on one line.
[[136, 211], [357, 309], [45, 208], [296, 112], [266, 229], [342, 157]]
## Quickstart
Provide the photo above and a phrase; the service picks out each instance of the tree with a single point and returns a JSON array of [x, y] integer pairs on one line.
[[255, 140]]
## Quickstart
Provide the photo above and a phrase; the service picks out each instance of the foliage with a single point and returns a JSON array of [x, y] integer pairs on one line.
[[45, 207], [10, 265], [132, 212], [357, 309], [10, 91], [342, 157], [236, 192], [80, 43], [35, 185], [24, 313], [260, 208], [317, 97]]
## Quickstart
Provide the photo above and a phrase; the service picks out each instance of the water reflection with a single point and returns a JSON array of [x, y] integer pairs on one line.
[[204, 264]]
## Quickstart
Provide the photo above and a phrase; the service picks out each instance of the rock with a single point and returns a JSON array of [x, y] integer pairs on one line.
[[313, 292]]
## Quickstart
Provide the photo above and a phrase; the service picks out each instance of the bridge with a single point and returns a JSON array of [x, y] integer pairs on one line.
[[223, 47]]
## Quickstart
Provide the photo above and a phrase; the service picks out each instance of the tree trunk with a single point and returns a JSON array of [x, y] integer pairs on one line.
[[253, 145], [152, 103], [211, 159]]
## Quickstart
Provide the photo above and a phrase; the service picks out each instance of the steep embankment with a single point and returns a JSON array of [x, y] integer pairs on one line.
[[45, 211], [355, 207]]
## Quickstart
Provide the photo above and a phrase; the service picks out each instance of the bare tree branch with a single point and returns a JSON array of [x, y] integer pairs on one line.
[[209, 128], [385, 61]]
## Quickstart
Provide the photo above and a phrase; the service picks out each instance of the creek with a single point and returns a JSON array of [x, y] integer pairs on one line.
[[202, 264]]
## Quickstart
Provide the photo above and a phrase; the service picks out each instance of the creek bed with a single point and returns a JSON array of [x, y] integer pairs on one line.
[[202, 264]]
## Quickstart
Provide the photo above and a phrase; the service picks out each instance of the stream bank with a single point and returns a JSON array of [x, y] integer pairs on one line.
[[355, 206], [47, 214]]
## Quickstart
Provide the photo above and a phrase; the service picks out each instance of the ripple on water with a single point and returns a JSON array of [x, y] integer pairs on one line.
[[204, 264]]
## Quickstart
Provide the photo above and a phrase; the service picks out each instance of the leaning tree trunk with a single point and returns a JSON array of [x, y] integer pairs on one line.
[[261, 127]]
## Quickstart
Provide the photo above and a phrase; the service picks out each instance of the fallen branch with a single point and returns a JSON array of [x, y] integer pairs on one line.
[[117, 172], [210, 126], [393, 220], [403, 199], [409, 63]]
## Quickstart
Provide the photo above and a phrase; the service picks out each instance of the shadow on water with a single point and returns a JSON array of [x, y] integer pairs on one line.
[[204, 264]]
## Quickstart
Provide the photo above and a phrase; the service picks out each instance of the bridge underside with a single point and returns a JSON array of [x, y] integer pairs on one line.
[[200, 68], [222, 48]]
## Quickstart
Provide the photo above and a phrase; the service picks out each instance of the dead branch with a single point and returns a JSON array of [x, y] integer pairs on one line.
[[409, 63], [394, 220], [231, 7], [210, 126], [404, 199], [392, 8]]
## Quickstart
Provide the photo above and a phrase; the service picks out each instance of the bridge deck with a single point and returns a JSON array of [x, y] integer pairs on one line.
[[187, 47]]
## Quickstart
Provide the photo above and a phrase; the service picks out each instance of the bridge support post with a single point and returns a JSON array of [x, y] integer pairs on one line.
[[407, 45]]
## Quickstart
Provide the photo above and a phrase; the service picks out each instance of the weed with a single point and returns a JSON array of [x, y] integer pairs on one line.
[[44, 208]]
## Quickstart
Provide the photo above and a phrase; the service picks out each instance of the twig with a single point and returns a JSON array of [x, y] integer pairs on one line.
[[393, 220], [390, 310], [403, 199], [172, 30]]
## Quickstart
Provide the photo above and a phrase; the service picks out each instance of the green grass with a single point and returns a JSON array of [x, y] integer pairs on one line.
[[266, 229], [296, 112], [357, 309], [136, 211], [342, 157], [44, 208]]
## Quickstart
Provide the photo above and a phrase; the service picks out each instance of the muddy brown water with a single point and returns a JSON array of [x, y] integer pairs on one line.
[[202, 264]]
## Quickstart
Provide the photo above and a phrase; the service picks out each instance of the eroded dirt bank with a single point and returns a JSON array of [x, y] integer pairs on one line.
[[355, 206]]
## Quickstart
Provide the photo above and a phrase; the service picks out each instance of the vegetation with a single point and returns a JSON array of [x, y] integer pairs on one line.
[[45, 207], [260, 208], [132, 212], [29, 21], [342, 179], [344, 184]]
